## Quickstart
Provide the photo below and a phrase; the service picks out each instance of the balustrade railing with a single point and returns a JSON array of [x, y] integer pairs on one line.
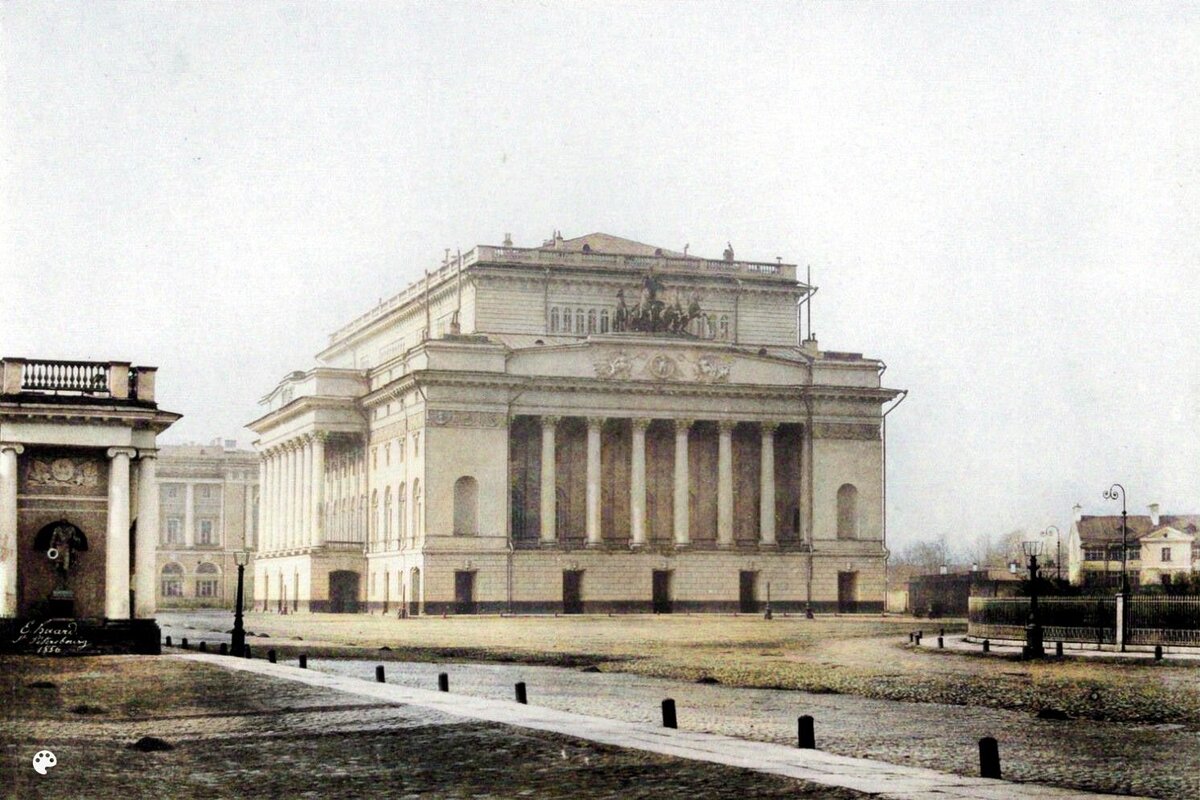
[[83, 377], [112, 379]]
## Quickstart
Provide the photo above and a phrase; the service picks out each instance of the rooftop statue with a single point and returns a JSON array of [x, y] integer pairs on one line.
[[653, 315]]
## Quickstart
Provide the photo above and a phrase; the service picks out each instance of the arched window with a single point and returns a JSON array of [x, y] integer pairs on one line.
[[604, 320], [847, 507], [566, 321], [172, 580], [591, 320], [554, 320], [724, 326], [580, 322], [466, 506], [387, 515], [401, 519], [416, 509], [208, 581]]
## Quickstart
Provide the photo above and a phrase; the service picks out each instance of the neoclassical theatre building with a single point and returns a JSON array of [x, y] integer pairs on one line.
[[592, 425]]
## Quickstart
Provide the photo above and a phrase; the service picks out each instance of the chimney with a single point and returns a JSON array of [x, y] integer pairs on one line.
[[508, 240], [1154, 514], [1078, 511]]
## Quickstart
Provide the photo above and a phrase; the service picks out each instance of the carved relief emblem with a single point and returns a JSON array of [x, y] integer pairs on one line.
[[614, 367], [662, 367], [710, 369], [63, 472], [465, 419]]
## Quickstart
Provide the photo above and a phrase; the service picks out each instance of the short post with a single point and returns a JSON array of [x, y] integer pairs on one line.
[[303, 661], [271, 656], [910, 637], [379, 674], [168, 641], [987, 646], [1158, 652], [223, 649], [443, 682], [183, 643], [521, 696], [246, 651], [989, 758], [203, 648], [806, 737], [668, 712], [1058, 648], [941, 642]]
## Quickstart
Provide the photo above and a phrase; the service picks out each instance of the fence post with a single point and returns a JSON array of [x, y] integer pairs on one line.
[[1158, 652], [1121, 621], [989, 758], [1058, 647]]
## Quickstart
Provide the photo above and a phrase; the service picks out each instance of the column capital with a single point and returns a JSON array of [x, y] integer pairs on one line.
[[640, 423], [128, 452], [16, 448], [769, 426], [320, 436], [550, 421], [684, 425], [726, 425], [596, 422], [147, 452]]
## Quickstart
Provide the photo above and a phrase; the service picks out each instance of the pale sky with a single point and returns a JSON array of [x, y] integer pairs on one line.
[[998, 200]]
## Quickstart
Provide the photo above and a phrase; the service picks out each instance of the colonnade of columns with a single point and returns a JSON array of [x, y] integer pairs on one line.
[[116, 547], [637, 492], [292, 494]]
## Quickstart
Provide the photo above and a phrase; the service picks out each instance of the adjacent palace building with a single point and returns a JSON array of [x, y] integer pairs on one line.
[[593, 425]]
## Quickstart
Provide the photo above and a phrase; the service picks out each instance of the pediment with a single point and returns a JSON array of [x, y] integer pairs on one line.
[[619, 359]]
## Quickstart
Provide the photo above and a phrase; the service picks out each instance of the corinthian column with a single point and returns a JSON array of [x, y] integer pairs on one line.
[[8, 527], [682, 500], [549, 533], [725, 484], [304, 506], [637, 483], [317, 532], [594, 424], [766, 506], [144, 567], [116, 543]]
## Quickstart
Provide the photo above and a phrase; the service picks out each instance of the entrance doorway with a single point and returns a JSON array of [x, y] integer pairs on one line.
[[343, 592], [464, 593], [573, 591], [662, 591], [748, 592], [847, 592]]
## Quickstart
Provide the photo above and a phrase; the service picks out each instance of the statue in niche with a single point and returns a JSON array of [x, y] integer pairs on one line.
[[60, 541]]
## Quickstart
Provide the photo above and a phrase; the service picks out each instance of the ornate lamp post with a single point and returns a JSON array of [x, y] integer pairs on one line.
[[1033, 630], [238, 642], [1112, 494], [1057, 550]]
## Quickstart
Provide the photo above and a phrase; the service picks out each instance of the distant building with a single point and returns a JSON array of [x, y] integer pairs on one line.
[[947, 595], [208, 501], [1159, 547]]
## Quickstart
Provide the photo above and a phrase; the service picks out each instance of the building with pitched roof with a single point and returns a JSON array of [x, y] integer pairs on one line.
[[590, 425], [1158, 547]]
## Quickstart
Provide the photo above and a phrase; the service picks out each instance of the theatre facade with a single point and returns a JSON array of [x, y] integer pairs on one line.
[[592, 425]]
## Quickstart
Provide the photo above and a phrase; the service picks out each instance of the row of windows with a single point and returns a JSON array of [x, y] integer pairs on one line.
[[205, 531], [203, 490], [208, 580], [1111, 553], [387, 451], [584, 321]]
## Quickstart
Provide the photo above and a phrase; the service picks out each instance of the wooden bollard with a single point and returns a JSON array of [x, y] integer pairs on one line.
[[987, 646], [1058, 649], [443, 682], [910, 637], [989, 758], [271, 656], [941, 642], [806, 738], [379, 674], [168, 641], [246, 651], [522, 698], [203, 648], [668, 711], [1158, 652], [183, 643], [223, 649], [303, 661]]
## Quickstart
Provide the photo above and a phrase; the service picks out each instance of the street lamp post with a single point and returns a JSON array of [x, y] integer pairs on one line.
[[1113, 492], [238, 642], [1033, 630]]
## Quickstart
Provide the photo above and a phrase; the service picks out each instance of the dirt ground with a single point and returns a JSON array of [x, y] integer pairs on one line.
[[244, 736], [864, 656]]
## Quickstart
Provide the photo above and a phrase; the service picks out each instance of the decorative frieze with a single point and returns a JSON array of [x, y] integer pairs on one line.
[[61, 472], [466, 419], [846, 430], [622, 366]]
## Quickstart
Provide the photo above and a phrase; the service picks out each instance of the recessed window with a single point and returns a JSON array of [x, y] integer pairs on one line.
[[174, 530], [1166, 555], [172, 580], [204, 533]]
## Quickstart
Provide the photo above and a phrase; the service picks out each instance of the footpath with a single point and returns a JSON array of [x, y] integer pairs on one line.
[[876, 778], [1006, 647]]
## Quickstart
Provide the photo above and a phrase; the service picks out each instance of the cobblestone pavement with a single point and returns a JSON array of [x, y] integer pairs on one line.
[[246, 736], [1152, 760]]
